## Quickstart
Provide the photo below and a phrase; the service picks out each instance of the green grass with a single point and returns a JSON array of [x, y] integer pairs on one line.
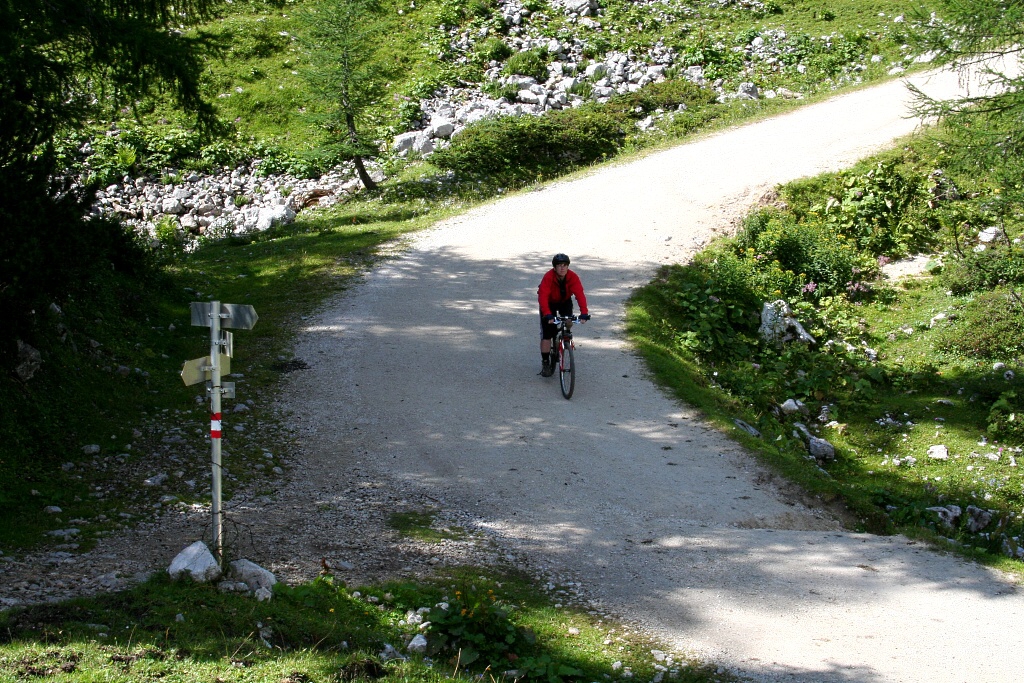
[[419, 525], [322, 631]]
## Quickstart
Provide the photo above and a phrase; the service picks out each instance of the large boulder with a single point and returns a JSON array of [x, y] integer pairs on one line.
[[195, 562]]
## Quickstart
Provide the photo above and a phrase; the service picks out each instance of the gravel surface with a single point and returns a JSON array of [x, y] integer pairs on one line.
[[422, 393]]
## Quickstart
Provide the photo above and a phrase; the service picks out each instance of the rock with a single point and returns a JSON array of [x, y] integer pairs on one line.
[[275, 215], [581, 8], [821, 449], [91, 449], [156, 480], [196, 562], [948, 515], [939, 452], [418, 644], [389, 652], [172, 206], [440, 128], [252, 575], [646, 123], [53, 510], [747, 91], [793, 406], [990, 234], [64, 533], [29, 361], [746, 427], [778, 324], [415, 141], [977, 519]]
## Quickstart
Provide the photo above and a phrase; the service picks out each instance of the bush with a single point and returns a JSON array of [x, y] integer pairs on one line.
[[474, 625], [499, 90], [715, 310], [990, 327], [492, 49], [1006, 417], [815, 253], [873, 209], [668, 94], [514, 149], [528, 63], [980, 271]]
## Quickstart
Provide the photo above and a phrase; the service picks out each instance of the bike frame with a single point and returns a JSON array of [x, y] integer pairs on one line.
[[564, 347]]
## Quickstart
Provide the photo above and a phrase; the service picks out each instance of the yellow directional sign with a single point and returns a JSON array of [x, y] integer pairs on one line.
[[198, 369]]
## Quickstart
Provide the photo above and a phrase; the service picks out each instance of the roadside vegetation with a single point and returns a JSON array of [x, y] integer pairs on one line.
[[108, 316], [498, 625], [915, 380]]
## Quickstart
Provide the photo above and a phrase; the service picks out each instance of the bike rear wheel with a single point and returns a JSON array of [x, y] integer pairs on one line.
[[567, 370]]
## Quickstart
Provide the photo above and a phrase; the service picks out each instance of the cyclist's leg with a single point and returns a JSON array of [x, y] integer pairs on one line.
[[547, 333]]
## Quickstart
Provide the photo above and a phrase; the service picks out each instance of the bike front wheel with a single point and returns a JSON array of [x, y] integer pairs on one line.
[[567, 371]]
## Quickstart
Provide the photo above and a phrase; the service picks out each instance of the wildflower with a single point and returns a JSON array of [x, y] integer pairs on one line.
[[810, 287]]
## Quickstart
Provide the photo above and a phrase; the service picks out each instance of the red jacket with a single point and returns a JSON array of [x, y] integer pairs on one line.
[[549, 293]]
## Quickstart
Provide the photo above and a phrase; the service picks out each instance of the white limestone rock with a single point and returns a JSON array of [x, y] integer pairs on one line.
[[196, 562]]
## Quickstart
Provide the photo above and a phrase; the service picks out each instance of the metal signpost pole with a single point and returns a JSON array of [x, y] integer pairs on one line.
[[217, 317], [215, 428]]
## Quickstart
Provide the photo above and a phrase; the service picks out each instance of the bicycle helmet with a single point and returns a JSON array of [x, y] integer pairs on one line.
[[559, 258]]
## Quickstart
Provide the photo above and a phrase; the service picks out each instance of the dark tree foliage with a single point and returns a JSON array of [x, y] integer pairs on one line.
[[63, 62]]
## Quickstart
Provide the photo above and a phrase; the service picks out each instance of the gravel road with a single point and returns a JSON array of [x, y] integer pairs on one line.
[[426, 375]]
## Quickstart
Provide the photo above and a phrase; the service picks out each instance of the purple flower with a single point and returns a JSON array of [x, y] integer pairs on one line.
[[810, 287]]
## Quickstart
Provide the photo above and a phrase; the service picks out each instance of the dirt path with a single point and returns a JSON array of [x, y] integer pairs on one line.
[[426, 374]]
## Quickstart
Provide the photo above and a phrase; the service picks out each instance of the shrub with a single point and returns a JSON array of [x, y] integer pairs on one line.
[[990, 327], [714, 308], [492, 49], [517, 148], [874, 208], [978, 271], [528, 63], [474, 625], [1006, 417], [815, 253], [498, 90], [668, 94]]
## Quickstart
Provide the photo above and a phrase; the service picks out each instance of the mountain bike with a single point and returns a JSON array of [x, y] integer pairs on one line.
[[562, 353]]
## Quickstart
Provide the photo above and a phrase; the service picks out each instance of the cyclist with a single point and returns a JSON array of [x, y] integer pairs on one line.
[[554, 294]]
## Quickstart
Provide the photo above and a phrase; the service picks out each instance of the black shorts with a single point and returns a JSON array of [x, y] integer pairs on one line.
[[548, 330]]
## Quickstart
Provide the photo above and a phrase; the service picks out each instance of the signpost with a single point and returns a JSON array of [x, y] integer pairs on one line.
[[217, 316]]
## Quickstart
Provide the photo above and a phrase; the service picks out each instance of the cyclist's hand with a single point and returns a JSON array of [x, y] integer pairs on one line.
[[548, 318], [585, 317]]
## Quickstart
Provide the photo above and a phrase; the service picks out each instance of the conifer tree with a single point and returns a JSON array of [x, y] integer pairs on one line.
[[340, 37]]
